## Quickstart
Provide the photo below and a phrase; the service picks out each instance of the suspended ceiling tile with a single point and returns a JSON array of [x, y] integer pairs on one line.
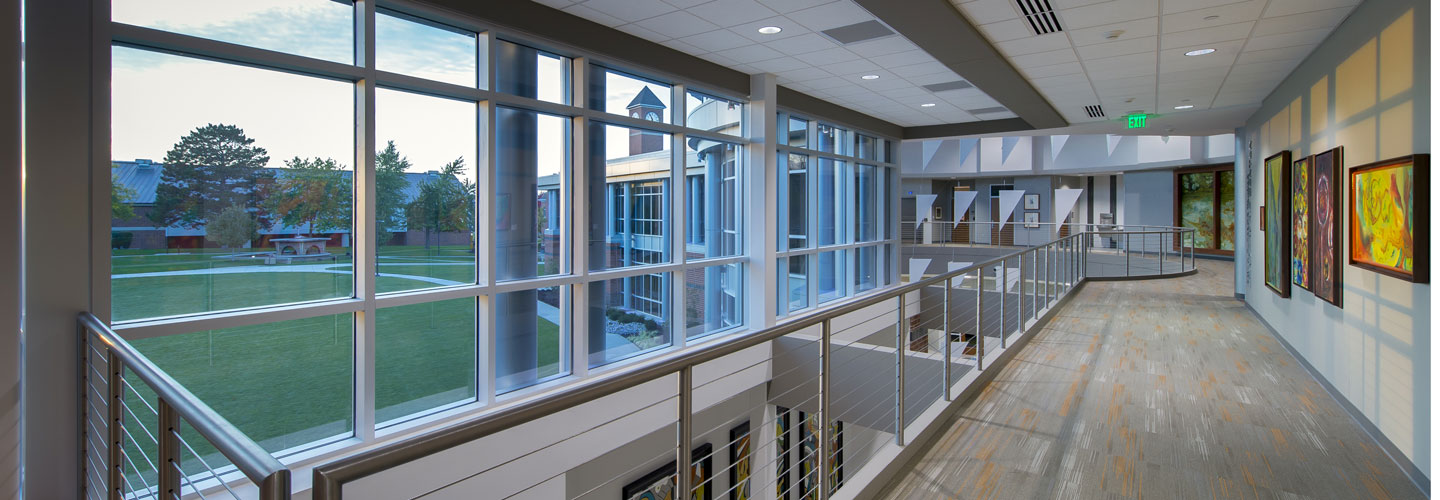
[[1280, 54], [1128, 30], [1279, 8], [1120, 48], [1035, 44], [787, 6], [1206, 36], [714, 41], [1045, 58], [629, 10], [1329, 18], [1299, 38], [1009, 29], [1172, 6], [751, 30], [678, 24], [803, 44], [594, 15], [747, 54], [988, 11], [1213, 17], [831, 15], [1107, 13], [1053, 70], [880, 47], [729, 13]]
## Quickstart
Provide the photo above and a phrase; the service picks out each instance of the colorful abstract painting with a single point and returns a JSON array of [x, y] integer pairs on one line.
[[1388, 217], [782, 453], [1277, 223], [1300, 223], [809, 458], [659, 484], [740, 462], [1325, 223]]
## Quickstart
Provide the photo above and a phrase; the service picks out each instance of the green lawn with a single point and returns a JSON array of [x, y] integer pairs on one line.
[[290, 383]]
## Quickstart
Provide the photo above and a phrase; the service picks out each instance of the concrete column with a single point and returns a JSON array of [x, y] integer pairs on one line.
[[63, 111], [760, 223]]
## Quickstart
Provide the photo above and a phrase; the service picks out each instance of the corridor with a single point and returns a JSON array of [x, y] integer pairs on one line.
[[1154, 389]]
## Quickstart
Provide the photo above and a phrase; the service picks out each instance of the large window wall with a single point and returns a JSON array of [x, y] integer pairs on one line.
[[392, 217], [835, 213]]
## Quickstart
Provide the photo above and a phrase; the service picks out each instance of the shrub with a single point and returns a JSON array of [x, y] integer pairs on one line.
[[121, 239]]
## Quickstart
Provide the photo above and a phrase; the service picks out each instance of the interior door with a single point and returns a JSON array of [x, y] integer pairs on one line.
[[1005, 237]]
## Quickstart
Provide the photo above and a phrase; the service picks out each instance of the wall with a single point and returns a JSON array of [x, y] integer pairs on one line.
[[1057, 154], [10, 249], [1365, 88]]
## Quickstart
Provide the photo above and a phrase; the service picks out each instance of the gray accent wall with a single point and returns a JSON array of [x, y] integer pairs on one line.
[[1365, 88]]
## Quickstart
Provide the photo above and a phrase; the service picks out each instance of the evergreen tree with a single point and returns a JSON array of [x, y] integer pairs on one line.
[[390, 186], [210, 169], [314, 193]]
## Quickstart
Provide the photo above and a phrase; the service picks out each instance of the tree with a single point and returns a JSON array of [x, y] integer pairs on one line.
[[233, 227], [120, 197], [444, 203], [314, 193], [390, 186], [210, 169]]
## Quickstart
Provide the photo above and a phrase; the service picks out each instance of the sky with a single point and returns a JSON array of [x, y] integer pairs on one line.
[[158, 98]]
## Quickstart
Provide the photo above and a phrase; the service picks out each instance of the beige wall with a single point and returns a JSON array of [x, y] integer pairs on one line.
[[1366, 89]]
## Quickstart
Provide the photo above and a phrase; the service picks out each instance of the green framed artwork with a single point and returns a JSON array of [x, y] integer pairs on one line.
[[1277, 223], [1390, 217], [1301, 255], [1325, 224], [740, 461]]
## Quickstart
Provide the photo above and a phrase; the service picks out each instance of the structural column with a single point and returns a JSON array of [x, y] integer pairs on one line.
[[760, 222]]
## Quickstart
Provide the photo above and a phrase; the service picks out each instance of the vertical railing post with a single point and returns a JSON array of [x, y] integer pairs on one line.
[[902, 342], [115, 475], [1127, 254], [1163, 250], [1003, 283], [683, 425], [945, 322], [1020, 296], [276, 486], [823, 429], [1035, 283], [168, 476], [980, 318]]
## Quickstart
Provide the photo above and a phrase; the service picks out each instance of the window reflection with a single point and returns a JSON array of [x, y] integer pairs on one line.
[[425, 49]]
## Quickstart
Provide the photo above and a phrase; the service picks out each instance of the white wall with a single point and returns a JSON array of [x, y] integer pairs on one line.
[[1365, 88]]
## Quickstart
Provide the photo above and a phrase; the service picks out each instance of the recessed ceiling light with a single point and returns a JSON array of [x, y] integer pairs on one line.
[[1184, 106], [870, 77], [928, 105], [770, 30], [1199, 52]]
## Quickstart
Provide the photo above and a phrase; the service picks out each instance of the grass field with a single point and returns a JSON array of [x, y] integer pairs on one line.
[[290, 383]]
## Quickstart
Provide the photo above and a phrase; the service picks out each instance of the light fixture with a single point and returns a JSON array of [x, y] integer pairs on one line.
[[1199, 52], [928, 105], [870, 77], [770, 30], [1184, 106]]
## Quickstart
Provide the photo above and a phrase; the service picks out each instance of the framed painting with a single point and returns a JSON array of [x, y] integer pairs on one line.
[[1301, 254], [782, 453], [659, 484], [1325, 224], [1032, 202], [809, 451], [1032, 219], [837, 455], [1277, 223], [740, 461], [1390, 217]]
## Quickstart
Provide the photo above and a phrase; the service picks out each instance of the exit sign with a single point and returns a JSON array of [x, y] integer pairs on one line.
[[1135, 121]]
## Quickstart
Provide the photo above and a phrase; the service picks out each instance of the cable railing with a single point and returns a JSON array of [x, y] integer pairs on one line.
[[851, 381], [154, 439]]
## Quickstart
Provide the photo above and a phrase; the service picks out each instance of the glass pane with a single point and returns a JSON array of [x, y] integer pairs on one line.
[[712, 199], [425, 49], [226, 203], [832, 187], [798, 287], [1197, 206], [424, 191], [865, 264], [798, 200], [714, 300], [628, 317], [867, 203], [424, 358], [831, 275], [832, 139], [533, 73], [629, 179], [865, 147], [529, 346], [622, 94], [531, 155], [243, 372], [712, 113], [322, 29], [799, 134], [1227, 210]]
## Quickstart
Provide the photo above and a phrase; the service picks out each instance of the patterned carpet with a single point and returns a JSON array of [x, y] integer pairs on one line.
[[1154, 389]]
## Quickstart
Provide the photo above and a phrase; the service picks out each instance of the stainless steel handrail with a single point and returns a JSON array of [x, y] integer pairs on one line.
[[329, 478], [178, 404]]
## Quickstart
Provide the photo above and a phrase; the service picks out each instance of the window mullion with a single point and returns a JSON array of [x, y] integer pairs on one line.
[[364, 241], [679, 193]]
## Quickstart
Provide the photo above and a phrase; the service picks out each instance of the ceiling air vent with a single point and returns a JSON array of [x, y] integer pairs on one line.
[[1094, 111], [1040, 16], [955, 85], [858, 32]]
